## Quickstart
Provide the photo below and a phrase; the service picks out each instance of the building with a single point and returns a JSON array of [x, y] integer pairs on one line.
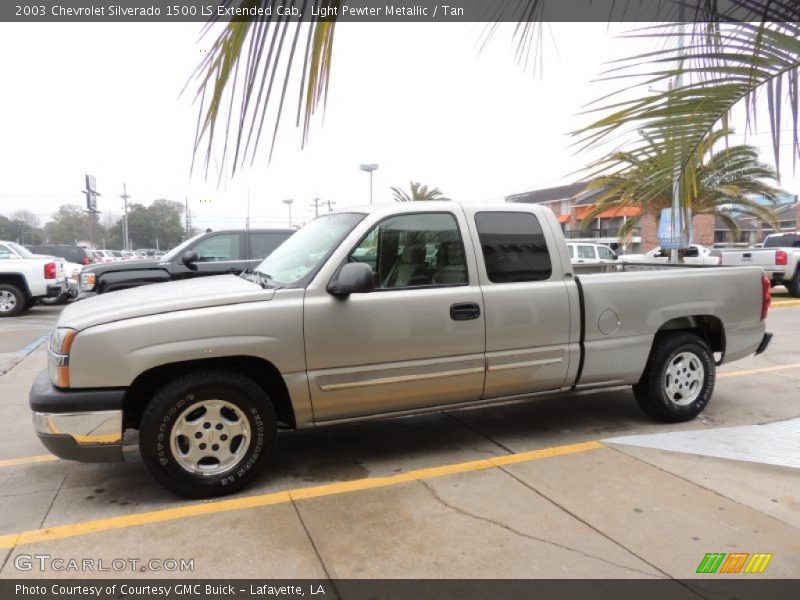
[[572, 202], [754, 230]]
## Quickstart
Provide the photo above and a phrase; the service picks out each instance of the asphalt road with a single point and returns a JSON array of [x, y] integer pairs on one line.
[[20, 335], [580, 487]]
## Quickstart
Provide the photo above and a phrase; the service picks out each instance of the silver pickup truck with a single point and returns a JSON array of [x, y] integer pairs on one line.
[[779, 257], [375, 312]]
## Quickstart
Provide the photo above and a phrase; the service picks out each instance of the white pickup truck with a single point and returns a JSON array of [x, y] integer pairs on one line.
[[779, 256], [374, 312], [26, 277]]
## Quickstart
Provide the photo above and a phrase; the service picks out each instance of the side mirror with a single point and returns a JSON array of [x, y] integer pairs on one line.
[[189, 258], [614, 257], [354, 278]]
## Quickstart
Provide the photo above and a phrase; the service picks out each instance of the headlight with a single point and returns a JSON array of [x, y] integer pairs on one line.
[[88, 281], [58, 357]]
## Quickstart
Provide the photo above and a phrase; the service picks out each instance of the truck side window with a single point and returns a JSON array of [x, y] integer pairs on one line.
[[224, 246], [514, 248], [414, 251], [605, 253], [585, 251], [5, 252], [262, 244]]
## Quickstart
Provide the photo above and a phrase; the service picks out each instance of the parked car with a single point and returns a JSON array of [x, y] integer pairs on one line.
[[693, 255], [128, 255], [103, 256], [590, 253], [69, 252], [210, 253], [779, 257], [464, 305], [25, 278], [75, 258]]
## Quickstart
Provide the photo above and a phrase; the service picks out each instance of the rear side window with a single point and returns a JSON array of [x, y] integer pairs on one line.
[[789, 240], [585, 251], [262, 244], [514, 248]]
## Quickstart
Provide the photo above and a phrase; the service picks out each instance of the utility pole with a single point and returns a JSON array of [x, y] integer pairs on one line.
[[316, 202], [188, 219], [125, 196], [330, 205], [369, 168]]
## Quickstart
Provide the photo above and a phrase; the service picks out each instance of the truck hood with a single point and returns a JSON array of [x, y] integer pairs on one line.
[[125, 265], [200, 292]]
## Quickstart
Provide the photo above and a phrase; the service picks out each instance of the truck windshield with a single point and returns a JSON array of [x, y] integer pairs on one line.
[[789, 240], [304, 252]]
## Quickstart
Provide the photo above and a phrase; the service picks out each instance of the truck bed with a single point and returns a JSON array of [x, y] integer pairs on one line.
[[624, 305]]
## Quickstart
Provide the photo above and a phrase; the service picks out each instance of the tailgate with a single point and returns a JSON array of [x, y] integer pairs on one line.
[[756, 257]]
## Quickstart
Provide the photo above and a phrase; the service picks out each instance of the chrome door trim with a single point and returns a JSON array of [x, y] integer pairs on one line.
[[398, 379], [523, 364]]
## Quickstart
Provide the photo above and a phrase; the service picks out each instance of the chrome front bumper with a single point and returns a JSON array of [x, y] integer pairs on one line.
[[85, 436], [84, 425]]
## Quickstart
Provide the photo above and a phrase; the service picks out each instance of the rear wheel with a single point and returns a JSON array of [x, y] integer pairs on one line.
[[207, 434], [794, 285], [12, 300], [678, 380]]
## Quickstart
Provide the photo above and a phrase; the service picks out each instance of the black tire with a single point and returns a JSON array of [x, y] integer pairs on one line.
[[651, 392], [793, 286], [12, 300], [156, 443], [58, 301]]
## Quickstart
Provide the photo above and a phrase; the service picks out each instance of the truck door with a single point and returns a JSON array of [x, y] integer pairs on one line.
[[217, 254], [417, 340], [526, 304]]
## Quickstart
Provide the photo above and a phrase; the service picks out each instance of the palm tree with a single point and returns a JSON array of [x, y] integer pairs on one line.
[[418, 193], [725, 59], [725, 182]]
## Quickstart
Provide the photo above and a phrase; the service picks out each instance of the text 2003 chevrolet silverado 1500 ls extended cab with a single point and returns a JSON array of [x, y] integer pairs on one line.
[[375, 312]]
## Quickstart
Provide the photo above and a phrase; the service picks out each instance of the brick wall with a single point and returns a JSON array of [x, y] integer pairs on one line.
[[703, 231], [649, 225]]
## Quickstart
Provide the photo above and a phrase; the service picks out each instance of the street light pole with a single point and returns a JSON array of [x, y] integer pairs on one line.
[[676, 178], [289, 203], [369, 168], [125, 196]]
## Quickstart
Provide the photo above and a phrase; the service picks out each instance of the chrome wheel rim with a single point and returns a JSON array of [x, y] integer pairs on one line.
[[684, 377], [8, 301], [210, 437]]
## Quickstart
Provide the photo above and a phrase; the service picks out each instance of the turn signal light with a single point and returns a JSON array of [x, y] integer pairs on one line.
[[781, 258], [50, 271]]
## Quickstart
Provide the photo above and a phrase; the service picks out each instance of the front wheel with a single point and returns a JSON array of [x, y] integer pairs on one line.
[[678, 380], [207, 434]]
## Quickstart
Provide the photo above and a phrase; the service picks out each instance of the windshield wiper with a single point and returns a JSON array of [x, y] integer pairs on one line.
[[262, 279]]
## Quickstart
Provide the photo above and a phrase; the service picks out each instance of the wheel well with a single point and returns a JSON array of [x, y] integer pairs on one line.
[[17, 281], [708, 327], [264, 373]]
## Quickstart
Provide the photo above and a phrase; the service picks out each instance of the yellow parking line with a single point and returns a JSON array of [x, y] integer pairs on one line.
[[784, 303], [193, 510], [759, 370], [25, 460]]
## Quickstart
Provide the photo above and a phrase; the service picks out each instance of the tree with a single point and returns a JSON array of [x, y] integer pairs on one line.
[[725, 182], [70, 225], [158, 225], [418, 193], [754, 46]]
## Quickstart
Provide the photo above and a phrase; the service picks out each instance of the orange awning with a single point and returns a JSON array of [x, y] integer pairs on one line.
[[564, 218]]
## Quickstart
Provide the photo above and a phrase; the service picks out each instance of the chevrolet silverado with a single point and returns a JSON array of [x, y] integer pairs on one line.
[[374, 312]]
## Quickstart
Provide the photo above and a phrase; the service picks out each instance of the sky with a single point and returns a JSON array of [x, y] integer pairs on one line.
[[422, 100]]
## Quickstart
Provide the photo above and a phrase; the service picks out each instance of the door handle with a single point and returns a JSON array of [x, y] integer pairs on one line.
[[234, 270], [465, 311]]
